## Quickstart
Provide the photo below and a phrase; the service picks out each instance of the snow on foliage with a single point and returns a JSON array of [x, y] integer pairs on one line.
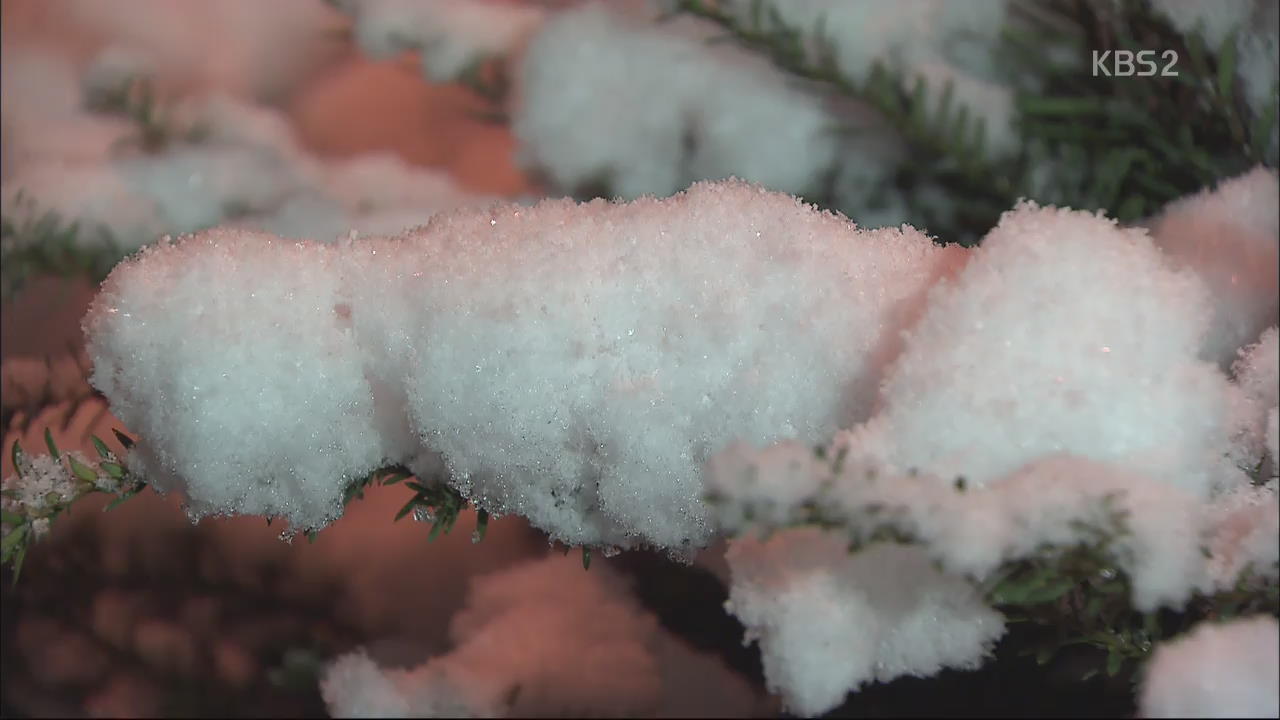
[[1230, 236], [942, 41], [450, 34], [1253, 27], [539, 639], [251, 49], [1257, 373], [1057, 501], [42, 119], [828, 621], [724, 112], [574, 364], [226, 163], [1226, 670], [1050, 394], [1064, 333], [1215, 21], [728, 112]]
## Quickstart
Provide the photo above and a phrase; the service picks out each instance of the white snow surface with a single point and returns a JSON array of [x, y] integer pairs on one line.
[[1257, 373], [451, 35], [828, 621], [1221, 670], [1064, 333], [584, 111], [1230, 236], [940, 41], [228, 163], [574, 364]]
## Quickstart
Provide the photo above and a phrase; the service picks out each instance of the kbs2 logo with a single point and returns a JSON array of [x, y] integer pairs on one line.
[[1126, 63]]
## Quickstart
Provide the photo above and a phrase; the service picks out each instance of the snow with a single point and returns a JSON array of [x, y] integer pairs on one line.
[[537, 639], [1253, 26], [244, 47], [1230, 237], [574, 364], [942, 41], [1058, 501], [1215, 21], [1227, 669], [828, 621], [1244, 525], [1257, 372], [215, 395], [724, 112], [450, 34], [228, 163], [1063, 333]]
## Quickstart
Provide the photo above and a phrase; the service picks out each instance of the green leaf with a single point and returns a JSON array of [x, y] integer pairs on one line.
[[115, 470], [944, 108], [1067, 107], [1045, 654], [11, 542], [1131, 209], [406, 508], [1227, 67], [53, 447], [482, 524], [126, 496], [1262, 127], [1114, 662], [586, 558], [125, 441], [958, 128], [103, 451], [17, 565], [82, 471], [1049, 592], [395, 477], [19, 458], [1151, 624], [919, 107], [10, 517]]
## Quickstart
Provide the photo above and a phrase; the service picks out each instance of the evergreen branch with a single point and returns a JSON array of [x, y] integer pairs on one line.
[[135, 98], [1073, 594], [1126, 146], [44, 487], [36, 243], [22, 405]]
